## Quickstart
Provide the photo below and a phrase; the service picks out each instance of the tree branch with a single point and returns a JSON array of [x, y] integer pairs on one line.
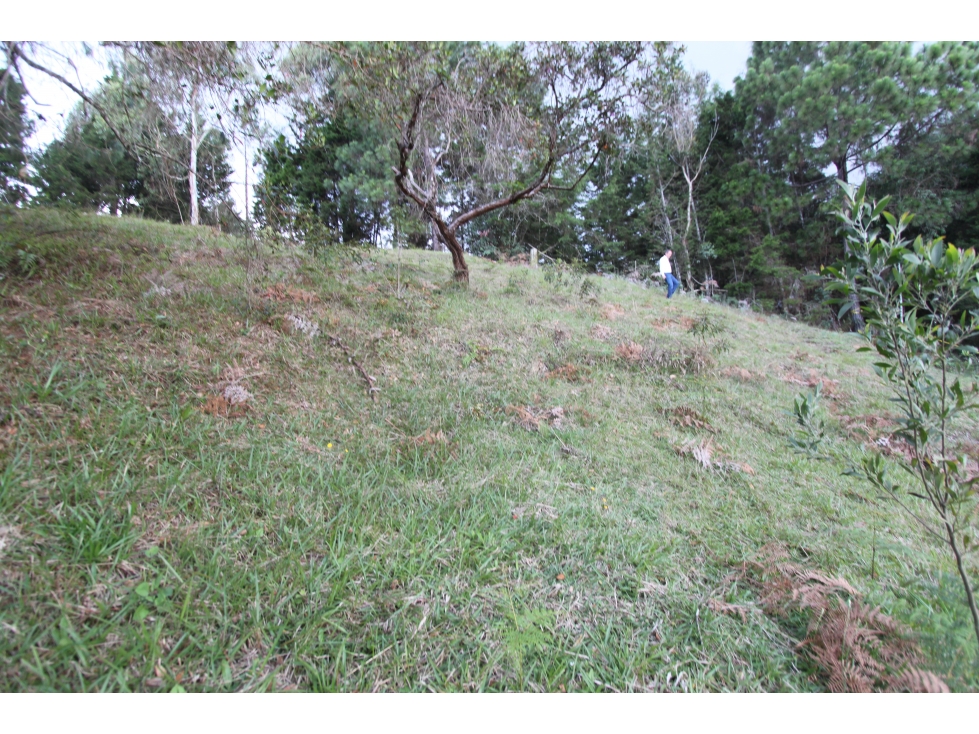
[[526, 193], [105, 116]]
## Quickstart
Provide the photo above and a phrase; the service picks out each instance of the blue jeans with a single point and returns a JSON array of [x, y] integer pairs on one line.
[[671, 284]]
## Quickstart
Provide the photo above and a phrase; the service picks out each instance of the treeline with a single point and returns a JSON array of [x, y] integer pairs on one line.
[[604, 154]]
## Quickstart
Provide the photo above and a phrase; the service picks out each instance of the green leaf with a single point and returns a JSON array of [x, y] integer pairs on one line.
[[141, 613], [143, 590]]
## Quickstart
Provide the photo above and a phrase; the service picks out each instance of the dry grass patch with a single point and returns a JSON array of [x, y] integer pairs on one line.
[[665, 323], [630, 351], [568, 372], [601, 332], [282, 293], [855, 648], [612, 311], [685, 417], [829, 388], [531, 418], [710, 456], [739, 373]]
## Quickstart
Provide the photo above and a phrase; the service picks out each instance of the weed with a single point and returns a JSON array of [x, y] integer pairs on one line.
[[812, 429], [514, 286], [707, 326]]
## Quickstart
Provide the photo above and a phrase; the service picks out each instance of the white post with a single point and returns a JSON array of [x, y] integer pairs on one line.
[[533, 257]]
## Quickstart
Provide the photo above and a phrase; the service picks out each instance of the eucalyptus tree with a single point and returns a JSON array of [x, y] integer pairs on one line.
[[684, 96], [90, 167], [478, 128], [194, 85]]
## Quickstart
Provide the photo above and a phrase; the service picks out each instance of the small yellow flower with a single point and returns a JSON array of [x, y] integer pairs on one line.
[[592, 489], [329, 446]]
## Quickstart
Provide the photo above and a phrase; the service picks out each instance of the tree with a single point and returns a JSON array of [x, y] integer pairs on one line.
[[336, 170], [807, 113], [929, 168], [90, 167], [192, 84], [685, 95], [193, 87], [14, 129], [480, 128], [920, 299]]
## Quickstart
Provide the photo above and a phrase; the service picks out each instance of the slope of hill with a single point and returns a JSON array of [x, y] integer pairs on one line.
[[230, 467]]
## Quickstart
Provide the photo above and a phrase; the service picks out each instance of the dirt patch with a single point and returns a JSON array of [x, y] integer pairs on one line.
[[230, 404], [7, 434]]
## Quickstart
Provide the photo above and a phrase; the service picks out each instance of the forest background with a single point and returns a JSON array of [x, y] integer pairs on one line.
[[739, 183]]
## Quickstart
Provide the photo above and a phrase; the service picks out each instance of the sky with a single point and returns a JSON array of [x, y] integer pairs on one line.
[[723, 60]]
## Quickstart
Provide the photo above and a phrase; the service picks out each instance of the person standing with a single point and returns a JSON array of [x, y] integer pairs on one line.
[[666, 270]]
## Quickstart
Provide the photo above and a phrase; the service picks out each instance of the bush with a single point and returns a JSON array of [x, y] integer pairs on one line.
[[918, 299]]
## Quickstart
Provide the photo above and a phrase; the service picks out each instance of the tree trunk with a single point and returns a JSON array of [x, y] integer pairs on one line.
[[195, 213], [458, 258], [965, 579], [686, 230], [696, 224], [666, 216]]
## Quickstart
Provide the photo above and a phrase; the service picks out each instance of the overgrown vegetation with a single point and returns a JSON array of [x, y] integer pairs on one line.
[[199, 492]]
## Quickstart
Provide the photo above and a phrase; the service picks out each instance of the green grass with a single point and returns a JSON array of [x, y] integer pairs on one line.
[[325, 541]]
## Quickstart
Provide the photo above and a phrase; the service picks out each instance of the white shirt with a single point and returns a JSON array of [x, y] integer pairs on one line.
[[664, 265]]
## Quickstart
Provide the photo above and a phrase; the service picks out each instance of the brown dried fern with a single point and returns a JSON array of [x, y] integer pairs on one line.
[[856, 648]]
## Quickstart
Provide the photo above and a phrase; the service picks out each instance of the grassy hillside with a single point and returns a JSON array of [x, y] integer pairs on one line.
[[554, 484]]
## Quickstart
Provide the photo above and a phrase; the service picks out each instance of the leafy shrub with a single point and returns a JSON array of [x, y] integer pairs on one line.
[[918, 299]]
